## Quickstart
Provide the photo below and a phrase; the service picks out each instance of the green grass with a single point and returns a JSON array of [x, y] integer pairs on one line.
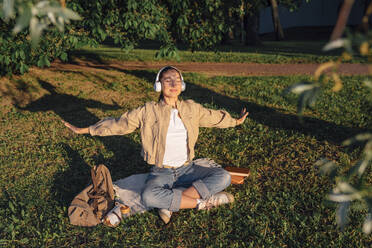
[[270, 52], [43, 165]]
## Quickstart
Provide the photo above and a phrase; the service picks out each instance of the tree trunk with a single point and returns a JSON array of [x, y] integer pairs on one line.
[[229, 36], [242, 31], [251, 25], [366, 20], [342, 19], [279, 34]]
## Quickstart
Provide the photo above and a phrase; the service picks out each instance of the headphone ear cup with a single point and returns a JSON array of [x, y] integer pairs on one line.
[[183, 86], [157, 86]]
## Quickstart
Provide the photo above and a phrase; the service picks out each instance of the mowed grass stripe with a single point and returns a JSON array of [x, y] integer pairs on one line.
[[270, 52]]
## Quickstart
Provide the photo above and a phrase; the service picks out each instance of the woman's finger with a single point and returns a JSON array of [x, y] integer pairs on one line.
[[243, 111], [68, 125]]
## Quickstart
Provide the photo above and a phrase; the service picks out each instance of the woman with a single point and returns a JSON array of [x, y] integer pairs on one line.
[[169, 130]]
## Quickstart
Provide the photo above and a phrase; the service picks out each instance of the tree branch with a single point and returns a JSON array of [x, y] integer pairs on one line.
[[342, 19]]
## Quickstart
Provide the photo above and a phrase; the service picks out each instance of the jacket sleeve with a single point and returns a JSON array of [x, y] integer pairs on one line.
[[215, 118], [125, 124]]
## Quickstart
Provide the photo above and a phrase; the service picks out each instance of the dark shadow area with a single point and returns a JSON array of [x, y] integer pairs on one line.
[[126, 159], [271, 117], [300, 35], [314, 33], [274, 118], [146, 75], [70, 182], [86, 55], [18, 92], [76, 55], [70, 108]]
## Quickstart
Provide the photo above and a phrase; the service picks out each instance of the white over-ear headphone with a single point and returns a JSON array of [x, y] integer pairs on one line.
[[157, 84]]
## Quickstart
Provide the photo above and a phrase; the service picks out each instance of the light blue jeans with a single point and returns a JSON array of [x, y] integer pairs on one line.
[[164, 186]]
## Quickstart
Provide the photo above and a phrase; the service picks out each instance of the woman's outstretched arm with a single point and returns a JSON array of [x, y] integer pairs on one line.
[[78, 130], [219, 118], [125, 124]]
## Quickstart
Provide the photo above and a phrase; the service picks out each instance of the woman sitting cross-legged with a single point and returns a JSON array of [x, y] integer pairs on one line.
[[169, 130]]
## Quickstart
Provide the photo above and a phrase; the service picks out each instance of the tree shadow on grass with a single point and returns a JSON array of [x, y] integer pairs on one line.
[[70, 108], [68, 183], [126, 159], [271, 117], [274, 118], [321, 130]]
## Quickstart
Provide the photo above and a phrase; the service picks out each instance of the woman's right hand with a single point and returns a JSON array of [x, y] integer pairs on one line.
[[78, 130]]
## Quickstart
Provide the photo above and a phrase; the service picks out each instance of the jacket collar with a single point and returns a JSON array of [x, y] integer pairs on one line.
[[163, 104]]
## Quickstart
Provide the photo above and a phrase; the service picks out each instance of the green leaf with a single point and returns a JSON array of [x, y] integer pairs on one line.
[[358, 168], [313, 96], [22, 54], [11, 206], [23, 20], [69, 14], [36, 28], [11, 227], [15, 219], [342, 213], [299, 88], [368, 84], [63, 56], [8, 9], [40, 62], [7, 60], [24, 240], [343, 197], [302, 101], [358, 138], [23, 68], [46, 61], [339, 43], [367, 225], [327, 167]]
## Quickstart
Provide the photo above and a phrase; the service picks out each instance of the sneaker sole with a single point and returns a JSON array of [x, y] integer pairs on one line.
[[164, 217], [230, 197]]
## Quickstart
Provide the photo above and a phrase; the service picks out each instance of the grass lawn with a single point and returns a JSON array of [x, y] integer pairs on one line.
[[270, 52], [43, 165]]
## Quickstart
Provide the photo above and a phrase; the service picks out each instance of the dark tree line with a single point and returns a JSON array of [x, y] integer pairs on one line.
[[194, 24]]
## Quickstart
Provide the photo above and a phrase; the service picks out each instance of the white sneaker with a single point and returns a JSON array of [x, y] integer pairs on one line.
[[216, 200], [165, 215]]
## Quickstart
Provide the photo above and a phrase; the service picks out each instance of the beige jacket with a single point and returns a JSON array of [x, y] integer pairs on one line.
[[153, 120]]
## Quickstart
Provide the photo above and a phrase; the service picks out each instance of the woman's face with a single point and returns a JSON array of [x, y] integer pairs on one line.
[[171, 84]]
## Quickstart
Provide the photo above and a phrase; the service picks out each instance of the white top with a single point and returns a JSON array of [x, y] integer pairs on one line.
[[176, 143]]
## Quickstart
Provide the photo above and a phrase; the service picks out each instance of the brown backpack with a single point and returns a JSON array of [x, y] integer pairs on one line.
[[90, 206]]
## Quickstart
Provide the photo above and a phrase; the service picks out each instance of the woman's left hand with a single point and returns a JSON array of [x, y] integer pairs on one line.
[[243, 115]]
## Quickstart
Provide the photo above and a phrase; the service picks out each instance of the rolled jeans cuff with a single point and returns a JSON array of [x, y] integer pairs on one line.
[[202, 189], [176, 200]]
